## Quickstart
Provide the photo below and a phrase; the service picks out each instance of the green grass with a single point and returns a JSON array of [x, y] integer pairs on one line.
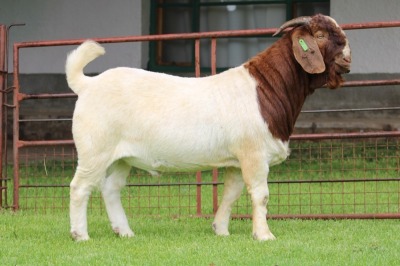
[[39, 233], [30, 239]]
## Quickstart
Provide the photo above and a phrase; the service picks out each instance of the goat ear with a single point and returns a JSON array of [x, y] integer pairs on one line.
[[307, 53]]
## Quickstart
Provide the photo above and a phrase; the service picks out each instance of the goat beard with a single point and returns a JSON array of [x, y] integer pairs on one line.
[[334, 80]]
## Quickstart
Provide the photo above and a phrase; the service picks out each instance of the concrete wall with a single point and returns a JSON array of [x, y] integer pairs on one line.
[[373, 50], [72, 19], [376, 54], [43, 68]]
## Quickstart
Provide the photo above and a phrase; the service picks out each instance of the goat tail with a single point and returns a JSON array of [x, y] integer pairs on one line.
[[76, 62]]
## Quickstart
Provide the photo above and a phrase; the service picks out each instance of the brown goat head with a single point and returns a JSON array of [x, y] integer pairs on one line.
[[314, 53], [320, 46]]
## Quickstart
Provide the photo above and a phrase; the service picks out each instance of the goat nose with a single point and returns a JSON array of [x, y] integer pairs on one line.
[[347, 59]]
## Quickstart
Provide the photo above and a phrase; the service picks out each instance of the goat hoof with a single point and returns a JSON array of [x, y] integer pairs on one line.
[[79, 237], [219, 230], [127, 234], [123, 233], [264, 237]]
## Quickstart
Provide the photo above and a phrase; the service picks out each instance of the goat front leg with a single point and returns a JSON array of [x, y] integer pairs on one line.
[[233, 188], [111, 192], [255, 177]]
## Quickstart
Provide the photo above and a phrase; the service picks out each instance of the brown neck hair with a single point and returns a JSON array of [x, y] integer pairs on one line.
[[282, 86]]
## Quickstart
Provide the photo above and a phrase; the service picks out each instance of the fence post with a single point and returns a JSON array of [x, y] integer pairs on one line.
[[16, 127], [198, 174], [3, 85], [215, 171]]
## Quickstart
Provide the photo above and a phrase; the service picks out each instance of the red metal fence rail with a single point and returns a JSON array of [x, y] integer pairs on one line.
[[193, 197]]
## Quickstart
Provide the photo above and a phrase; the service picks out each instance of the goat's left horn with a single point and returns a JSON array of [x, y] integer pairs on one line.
[[294, 22]]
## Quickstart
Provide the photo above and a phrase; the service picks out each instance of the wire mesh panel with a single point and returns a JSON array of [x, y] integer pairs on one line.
[[171, 194], [45, 174], [351, 178], [335, 178]]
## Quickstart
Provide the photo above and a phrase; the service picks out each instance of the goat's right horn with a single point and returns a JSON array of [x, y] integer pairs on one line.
[[294, 22]]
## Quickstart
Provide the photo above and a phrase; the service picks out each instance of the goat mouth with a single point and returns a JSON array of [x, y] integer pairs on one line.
[[342, 68], [342, 64]]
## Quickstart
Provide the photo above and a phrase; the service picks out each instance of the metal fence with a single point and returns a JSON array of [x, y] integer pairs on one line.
[[341, 175]]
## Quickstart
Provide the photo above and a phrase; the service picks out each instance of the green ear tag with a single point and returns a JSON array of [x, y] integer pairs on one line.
[[303, 45]]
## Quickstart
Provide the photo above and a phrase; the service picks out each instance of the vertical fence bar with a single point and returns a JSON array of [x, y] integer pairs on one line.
[[215, 171], [197, 57], [198, 193], [198, 174], [16, 127], [215, 190], [3, 85], [213, 56]]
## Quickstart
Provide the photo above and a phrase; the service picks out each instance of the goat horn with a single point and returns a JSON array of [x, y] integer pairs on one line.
[[294, 22]]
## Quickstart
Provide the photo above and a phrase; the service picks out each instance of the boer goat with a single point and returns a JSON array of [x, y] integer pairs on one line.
[[239, 120]]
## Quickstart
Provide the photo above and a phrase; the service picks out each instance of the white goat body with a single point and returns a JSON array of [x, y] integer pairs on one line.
[[159, 122], [128, 117]]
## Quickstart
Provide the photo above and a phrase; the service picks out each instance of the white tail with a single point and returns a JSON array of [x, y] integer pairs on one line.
[[77, 60]]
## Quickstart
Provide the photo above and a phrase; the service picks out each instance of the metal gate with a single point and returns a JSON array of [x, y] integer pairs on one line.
[[335, 175]]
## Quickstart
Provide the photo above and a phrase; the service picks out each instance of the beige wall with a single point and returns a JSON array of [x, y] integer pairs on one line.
[[71, 19], [373, 50]]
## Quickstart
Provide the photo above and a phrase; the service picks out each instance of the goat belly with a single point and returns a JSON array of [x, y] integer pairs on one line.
[[169, 155], [154, 166], [164, 160]]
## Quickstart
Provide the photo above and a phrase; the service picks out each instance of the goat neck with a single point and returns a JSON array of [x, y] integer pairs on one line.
[[282, 86]]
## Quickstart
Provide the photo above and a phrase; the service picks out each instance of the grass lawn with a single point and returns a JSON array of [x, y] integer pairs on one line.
[[27, 238], [39, 233], [363, 174]]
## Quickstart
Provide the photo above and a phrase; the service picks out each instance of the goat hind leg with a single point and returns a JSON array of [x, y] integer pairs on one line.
[[80, 190], [233, 188], [111, 191]]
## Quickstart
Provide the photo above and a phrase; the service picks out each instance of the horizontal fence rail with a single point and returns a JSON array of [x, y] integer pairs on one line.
[[328, 175]]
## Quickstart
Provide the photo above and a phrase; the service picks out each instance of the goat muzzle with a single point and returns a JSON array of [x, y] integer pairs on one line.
[[342, 68], [343, 64]]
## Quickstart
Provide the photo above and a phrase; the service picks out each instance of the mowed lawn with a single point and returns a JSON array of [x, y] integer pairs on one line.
[[34, 239], [363, 180]]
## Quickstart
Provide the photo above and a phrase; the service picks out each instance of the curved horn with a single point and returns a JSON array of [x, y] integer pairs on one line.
[[294, 22]]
